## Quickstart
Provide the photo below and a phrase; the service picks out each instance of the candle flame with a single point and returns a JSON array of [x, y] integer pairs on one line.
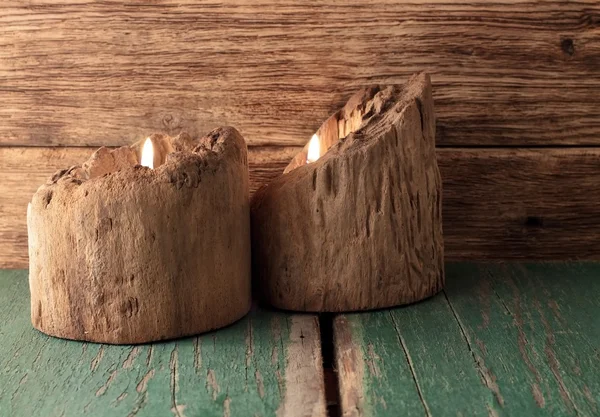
[[314, 149], [148, 154]]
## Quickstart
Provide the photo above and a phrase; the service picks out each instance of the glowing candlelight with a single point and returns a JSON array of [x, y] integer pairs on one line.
[[314, 149], [148, 154]]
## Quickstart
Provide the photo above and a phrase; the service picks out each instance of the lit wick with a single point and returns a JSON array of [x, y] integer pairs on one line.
[[148, 154], [314, 149]]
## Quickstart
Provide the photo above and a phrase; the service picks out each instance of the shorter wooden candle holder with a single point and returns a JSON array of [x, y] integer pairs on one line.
[[121, 253], [360, 228]]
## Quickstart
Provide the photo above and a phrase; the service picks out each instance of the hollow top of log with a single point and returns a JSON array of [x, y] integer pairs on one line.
[[170, 154], [363, 119]]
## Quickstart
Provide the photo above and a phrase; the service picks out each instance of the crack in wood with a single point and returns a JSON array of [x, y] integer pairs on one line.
[[522, 341], [103, 388], [536, 390], [139, 405], [96, 361], [21, 382], [39, 353], [149, 356], [174, 365], [211, 381], [84, 347], [128, 363], [410, 365], [553, 360], [197, 354], [486, 375], [142, 386]]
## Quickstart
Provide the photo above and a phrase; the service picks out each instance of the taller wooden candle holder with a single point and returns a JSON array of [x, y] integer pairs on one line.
[[360, 228], [121, 253]]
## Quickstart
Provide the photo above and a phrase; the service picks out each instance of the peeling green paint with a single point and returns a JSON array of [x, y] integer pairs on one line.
[[502, 339], [236, 371]]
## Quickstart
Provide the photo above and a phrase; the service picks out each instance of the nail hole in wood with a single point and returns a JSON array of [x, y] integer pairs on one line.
[[534, 221], [568, 46]]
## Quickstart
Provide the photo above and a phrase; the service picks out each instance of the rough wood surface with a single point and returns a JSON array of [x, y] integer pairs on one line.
[[267, 364], [23, 170], [105, 73], [521, 203], [141, 254], [360, 228], [502, 340], [498, 203]]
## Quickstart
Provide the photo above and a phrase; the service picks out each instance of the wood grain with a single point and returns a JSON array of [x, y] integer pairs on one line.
[[110, 245], [520, 203], [518, 72], [361, 227], [497, 203], [253, 367], [527, 327], [501, 340]]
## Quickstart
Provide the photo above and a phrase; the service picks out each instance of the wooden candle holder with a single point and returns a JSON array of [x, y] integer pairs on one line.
[[360, 228], [121, 253]]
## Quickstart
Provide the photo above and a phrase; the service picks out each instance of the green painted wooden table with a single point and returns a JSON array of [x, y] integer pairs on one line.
[[268, 363], [515, 340], [504, 339]]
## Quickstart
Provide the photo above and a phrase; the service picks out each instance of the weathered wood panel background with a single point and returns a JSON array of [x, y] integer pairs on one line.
[[521, 74], [98, 73]]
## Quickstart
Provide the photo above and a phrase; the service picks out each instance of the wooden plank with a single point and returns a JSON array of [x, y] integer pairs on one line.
[[412, 359], [501, 340], [527, 327], [521, 203], [266, 364], [498, 203], [107, 73]]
